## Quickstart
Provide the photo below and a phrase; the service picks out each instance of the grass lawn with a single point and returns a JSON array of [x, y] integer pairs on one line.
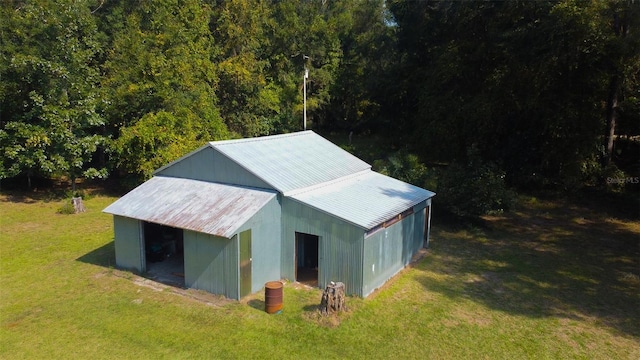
[[554, 279]]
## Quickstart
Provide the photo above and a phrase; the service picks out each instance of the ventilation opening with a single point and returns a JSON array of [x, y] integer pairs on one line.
[[164, 254], [307, 259]]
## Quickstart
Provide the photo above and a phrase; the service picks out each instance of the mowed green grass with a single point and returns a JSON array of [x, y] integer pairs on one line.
[[552, 280]]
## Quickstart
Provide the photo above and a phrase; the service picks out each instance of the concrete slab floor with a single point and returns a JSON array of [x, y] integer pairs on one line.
[[170, 271]]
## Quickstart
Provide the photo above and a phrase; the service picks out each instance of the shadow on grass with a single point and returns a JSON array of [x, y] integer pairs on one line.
[[104, 256], [311, 307], [257, 304], [32, 197], [552, 259], [50, 190]]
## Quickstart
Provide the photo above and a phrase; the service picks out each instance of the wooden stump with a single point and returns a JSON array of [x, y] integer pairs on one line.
[[333, 298], [78, 206]]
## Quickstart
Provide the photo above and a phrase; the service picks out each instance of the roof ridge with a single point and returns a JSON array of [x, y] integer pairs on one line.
[[327, 183], [259, 138]]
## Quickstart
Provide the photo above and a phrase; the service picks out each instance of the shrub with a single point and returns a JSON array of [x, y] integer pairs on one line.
[[474, 189], [78, 193], [406, 167], [615, 179], [67, 208]]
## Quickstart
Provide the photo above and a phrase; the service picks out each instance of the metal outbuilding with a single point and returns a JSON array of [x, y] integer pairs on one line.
[[239, 213]]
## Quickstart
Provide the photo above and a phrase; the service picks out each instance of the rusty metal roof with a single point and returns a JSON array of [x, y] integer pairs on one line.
[[366, 199], [292, 161], [206, 207]]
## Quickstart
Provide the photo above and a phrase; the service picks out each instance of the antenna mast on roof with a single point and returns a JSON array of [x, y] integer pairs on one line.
[[304, 90]]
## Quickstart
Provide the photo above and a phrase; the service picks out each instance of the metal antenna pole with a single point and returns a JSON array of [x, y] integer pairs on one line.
[[306, 75], [304, 90]]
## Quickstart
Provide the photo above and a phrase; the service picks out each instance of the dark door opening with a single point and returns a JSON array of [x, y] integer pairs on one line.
[[307, 259], [164, 254]]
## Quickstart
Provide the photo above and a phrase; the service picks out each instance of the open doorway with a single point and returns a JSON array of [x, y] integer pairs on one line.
[[164, 253], [307, 259]]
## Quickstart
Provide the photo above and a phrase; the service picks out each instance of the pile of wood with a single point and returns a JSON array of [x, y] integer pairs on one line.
[[333, 298]]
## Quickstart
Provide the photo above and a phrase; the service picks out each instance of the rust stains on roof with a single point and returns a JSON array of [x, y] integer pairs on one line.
[[206, 207]]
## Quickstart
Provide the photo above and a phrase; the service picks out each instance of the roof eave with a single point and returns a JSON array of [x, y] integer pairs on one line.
[[365, 227]]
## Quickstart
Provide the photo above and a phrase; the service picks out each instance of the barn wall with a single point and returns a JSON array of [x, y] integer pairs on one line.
[[419, 239], [389, 250], [128, 244], [211, 263], [421, 228], [385, 253], [340, 245], [210, 165], [266, 229], [428, 209]]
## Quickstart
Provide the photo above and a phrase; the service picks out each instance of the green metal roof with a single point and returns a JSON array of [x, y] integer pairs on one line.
[[311, 170], [366, 199], [291, 161]]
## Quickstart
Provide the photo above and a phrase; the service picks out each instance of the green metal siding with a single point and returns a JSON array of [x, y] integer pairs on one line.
[[211, 264], [428, 220], [420, 236], [266, 230], [210, 165], [389, 250], [127, 235], [340, 243]]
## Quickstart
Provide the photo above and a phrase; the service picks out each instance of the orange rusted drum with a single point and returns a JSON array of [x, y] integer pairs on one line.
[[273, 297]]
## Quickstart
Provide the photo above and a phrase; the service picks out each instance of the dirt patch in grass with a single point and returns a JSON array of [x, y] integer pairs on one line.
[[464, 316], [328, 321], [194, 294]]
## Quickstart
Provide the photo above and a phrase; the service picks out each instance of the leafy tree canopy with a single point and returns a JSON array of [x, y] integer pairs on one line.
[[544, 91], [50, 102]]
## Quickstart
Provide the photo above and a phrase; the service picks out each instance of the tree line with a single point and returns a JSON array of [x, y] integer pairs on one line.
[[545, 92]]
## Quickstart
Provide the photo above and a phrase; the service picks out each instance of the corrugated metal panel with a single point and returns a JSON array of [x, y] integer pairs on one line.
[[420, 227], [340, 245], [211, 263], [209, 164], [190, 155], [365, 200], [128, 243], [205, 207], [340, 258], [390, 250], [292, 161], [266, 230]]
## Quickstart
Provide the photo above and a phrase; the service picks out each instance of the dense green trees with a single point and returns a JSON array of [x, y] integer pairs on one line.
[[248, 100], [523, 82], [160, 83], [539, 89], [50, 100]]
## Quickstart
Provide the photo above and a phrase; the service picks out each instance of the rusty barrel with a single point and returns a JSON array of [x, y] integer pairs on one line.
[[273, 297]]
